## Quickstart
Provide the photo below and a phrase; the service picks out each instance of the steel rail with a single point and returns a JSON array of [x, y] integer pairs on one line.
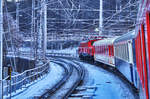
[[81, 73], [67, 74]]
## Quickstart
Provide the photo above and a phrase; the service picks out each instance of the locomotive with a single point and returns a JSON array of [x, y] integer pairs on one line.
[[86, 50]]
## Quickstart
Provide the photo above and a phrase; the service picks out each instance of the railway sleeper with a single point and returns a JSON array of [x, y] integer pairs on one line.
[[83, 95], [85, 88]]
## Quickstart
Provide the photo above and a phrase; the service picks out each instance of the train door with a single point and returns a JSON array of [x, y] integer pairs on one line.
[[139, 59], [139, 64], [147, 39], [144, 59]]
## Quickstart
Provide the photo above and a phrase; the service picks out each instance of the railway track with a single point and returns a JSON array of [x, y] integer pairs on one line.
[[109, 69], [67, 74], [74, 74], [81, 73]]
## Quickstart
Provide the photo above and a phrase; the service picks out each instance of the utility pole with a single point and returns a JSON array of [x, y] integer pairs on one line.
[[1, 49], [101, 17], [45, 28], [33, 37], [17, 13], [36, 27], [42, 33], [40, 22]]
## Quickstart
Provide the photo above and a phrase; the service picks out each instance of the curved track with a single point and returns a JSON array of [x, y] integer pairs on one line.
[[81, 73], [74, 74]]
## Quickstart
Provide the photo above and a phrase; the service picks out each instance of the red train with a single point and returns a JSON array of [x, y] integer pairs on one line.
[[86, 50], [130, 53]]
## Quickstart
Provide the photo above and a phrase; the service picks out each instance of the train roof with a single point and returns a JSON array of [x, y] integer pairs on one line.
[[83, 41], [126, 37], [107, 41]]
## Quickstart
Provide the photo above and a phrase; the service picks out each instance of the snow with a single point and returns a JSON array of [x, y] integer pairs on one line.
[[99, 84], [67, 51], [25, 49], [72, 52], [38, 87], [108, 85], [26, 52]]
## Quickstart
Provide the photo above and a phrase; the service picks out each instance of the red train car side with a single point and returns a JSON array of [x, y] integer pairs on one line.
[[142, 46]]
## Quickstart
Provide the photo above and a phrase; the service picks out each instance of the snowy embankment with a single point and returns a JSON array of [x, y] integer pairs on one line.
[[38, 87]]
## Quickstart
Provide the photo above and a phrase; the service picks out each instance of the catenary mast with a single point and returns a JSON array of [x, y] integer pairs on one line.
[[1, 49], [101, 17]]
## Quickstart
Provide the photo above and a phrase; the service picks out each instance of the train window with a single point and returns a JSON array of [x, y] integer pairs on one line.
[[100, 49], [122, 53], [97, 48], [124, 47], [117, 51], [127, 52], [119, 54]]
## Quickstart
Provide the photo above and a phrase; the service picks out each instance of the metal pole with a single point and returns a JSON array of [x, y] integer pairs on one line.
[[17, 13], [1, 49], [101, 17], [40, 33], [33, 38], [45, 28]]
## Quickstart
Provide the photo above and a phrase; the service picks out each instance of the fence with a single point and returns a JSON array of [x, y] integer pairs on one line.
[[21, 80]]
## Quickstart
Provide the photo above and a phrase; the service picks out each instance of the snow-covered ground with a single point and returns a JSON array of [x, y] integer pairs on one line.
[[102, 84], [67, 50], [25, 49], [38, 87], [72, 51], [108, 86]]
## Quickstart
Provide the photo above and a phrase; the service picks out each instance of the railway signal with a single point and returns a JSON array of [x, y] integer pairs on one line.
[[9, 72]]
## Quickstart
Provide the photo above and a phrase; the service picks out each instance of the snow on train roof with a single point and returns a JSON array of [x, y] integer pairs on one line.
[[106, 41], [85, 41]]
